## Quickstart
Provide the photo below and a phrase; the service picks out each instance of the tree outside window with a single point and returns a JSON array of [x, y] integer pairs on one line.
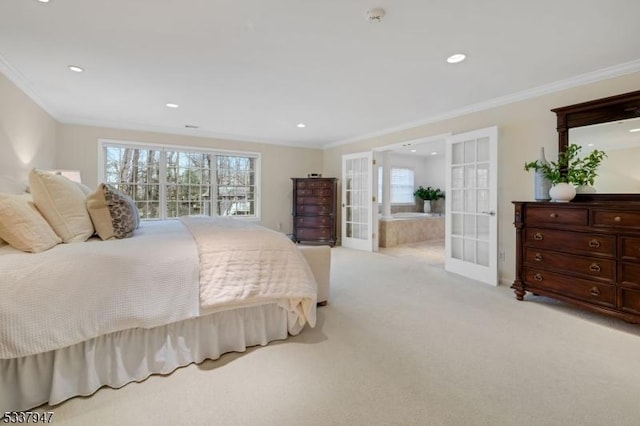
[[168, 183]]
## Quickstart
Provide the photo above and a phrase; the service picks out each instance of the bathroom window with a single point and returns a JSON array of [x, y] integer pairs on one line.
[[402, 185]]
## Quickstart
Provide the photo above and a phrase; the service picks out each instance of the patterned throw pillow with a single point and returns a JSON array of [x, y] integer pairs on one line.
[[114, 214]]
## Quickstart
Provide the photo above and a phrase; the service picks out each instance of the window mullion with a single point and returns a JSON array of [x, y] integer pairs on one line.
[[162, 181], [214, 185]]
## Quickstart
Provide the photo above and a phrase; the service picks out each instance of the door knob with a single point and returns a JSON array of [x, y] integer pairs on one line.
[[491, 213]]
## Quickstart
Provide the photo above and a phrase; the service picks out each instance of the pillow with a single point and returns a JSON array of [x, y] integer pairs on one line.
[[84, 188], [62, 203], [22, 226], [113, 212], [12, 186]]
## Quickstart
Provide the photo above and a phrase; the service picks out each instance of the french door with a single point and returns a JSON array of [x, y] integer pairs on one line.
[[357, 201], [471, 236]]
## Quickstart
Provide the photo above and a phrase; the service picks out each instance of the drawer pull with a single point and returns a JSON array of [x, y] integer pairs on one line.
[[537, 236], [537, 277], [595, 291], [617, 219], [553, 215], [594, 267], [594, 243], [538, 257]]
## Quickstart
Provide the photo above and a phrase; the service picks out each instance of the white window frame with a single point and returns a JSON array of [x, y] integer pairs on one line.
[[104, 143]]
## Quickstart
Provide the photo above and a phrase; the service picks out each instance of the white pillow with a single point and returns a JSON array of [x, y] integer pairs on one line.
[[22, 226], [62, 203]]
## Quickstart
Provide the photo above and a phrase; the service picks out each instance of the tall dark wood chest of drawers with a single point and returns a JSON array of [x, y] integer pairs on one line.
[[314, 210], [585, 253]]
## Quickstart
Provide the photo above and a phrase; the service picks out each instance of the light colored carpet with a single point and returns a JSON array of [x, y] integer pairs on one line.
[[402, 343], [429, 252]]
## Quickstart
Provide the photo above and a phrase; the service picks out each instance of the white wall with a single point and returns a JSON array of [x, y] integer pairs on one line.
[[523, 127], [27, 133]]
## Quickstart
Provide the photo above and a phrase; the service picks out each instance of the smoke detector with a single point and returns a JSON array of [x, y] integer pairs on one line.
[[375, 14]]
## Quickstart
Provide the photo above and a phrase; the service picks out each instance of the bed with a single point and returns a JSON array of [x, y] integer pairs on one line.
[[80, 316]]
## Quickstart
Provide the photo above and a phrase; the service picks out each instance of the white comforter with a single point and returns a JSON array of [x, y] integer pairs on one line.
[[78, 291], [242, 264], [75, 292]]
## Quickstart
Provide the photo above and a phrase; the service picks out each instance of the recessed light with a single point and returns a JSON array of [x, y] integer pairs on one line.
[[434, 153], [413, 150], [76, 68], [44, 1], [458, 57], [634, 130], [301, 125], [589, 144], [172, 105]]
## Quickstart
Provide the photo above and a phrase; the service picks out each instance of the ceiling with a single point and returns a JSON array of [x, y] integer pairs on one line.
[[253, 69]]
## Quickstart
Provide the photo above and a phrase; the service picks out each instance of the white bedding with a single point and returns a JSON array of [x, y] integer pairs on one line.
[[78, 291], [243, 264]]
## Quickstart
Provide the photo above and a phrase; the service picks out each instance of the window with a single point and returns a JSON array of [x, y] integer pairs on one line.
[[402, 184], [168, 182]]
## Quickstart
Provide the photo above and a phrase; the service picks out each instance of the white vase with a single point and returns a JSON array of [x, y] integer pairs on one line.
[[562, 192], [542, 185], [427, 206]]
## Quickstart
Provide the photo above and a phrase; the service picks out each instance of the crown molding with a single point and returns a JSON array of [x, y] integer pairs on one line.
[[20, 81], [198, 133], [579, 80]]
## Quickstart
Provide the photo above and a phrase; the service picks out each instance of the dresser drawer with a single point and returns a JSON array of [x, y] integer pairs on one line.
[[630, 248], [588, 267], [322, 192], [589, 291], [304, 192], [313, 184], [572, 242], [630, 274], [304, 234], [616, 218], [313, 221], [554, 215], [629, 301], [314, 200], [311, 209]]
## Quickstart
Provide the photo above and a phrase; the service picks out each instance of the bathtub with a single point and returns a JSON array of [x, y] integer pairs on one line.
[[410, 227]]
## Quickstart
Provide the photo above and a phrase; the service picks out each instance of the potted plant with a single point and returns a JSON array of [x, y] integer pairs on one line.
[[428, 194], [570, 170]]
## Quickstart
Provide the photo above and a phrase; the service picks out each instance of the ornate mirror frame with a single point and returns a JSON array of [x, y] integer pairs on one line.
[[613, 108]]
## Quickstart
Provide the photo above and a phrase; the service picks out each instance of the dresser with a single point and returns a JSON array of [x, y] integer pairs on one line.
[[584, 253], [314, 210]]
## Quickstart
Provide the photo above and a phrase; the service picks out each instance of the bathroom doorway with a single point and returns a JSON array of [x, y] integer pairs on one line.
[[404, 228]]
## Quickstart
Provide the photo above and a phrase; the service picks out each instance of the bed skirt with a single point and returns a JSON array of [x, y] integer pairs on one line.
[[133, 355]]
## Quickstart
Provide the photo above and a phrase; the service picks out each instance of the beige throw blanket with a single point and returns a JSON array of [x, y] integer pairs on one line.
[[243, 264]]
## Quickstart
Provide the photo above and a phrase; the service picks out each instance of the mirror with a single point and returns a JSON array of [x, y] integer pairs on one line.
[[612, 125], [619, 171]]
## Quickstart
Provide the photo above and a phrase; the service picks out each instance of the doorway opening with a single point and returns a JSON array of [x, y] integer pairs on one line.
[[406, 226]]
